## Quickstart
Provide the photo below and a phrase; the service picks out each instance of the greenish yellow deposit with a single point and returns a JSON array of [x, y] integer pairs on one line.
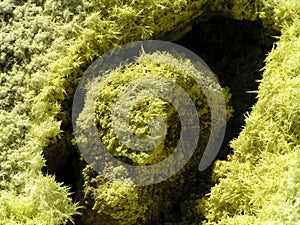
[[149, 66], [259, 183], [108, 196], [44, 48]]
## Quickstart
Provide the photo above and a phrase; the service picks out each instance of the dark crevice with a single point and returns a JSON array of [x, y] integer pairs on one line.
[[235, 51], [63, 158]]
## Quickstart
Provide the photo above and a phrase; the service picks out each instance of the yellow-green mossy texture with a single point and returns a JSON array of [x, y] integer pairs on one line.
[[115, 201], [45, 46], [259, 183]]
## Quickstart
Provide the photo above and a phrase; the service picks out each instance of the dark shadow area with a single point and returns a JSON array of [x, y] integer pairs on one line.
[[235, 52]]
